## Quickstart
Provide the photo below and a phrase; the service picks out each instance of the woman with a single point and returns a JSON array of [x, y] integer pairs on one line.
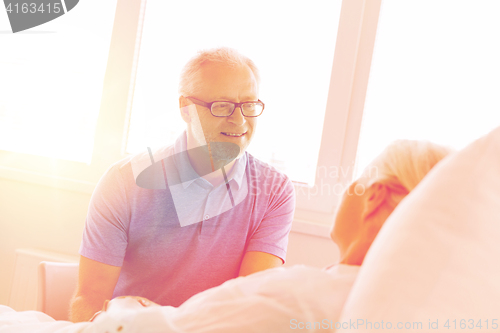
[[369, 201], [297, 297]]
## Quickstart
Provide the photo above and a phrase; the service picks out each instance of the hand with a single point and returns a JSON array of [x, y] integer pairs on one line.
[[142, 301]]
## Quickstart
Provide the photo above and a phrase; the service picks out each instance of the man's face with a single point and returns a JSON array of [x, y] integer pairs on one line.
[[223, 83]]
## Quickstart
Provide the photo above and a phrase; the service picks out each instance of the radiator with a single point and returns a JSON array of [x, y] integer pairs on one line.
[[24, 284]]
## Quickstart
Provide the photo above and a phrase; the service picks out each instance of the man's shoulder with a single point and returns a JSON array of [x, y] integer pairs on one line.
[[141, 160], [268, 180], [129, 168], [264, 169]]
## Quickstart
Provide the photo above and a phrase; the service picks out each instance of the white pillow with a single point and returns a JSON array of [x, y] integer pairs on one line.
[[436, 261]]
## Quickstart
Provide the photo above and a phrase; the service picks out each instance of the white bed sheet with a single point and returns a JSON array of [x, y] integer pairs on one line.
[[34, 322], [277, 300]]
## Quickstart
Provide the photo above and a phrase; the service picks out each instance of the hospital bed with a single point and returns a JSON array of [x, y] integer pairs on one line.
[[432, 268]]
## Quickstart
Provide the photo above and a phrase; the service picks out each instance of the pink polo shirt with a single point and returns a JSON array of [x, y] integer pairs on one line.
[[140, 230]]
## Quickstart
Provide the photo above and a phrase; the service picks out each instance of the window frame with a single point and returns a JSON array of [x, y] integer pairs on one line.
[[111, 123], [344, 112], [344, 109]]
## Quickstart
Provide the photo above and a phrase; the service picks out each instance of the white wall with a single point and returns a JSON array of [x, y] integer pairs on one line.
[[36, 216], [310, 250]]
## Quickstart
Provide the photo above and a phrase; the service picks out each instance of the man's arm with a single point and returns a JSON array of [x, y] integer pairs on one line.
[[254, 261], [96, 283]]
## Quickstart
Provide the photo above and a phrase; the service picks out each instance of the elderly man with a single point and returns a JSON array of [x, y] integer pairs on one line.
[[166, 225]]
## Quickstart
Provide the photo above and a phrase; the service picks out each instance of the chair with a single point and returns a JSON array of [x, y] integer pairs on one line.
[[56, 285]]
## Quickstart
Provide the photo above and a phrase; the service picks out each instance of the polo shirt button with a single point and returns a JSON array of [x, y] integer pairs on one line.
[[207, 217]]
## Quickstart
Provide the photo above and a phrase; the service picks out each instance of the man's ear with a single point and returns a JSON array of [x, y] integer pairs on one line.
[[184, 108], [376, 196]]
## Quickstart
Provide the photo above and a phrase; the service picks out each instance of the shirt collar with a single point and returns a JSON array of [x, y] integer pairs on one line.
[[185, 168]]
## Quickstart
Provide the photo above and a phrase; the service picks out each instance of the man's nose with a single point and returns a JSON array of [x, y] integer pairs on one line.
[[237, 117]]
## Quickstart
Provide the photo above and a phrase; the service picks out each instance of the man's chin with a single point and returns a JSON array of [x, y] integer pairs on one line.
[[243, 149]]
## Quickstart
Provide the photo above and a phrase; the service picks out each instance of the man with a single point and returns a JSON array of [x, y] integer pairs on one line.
[[169, 224]]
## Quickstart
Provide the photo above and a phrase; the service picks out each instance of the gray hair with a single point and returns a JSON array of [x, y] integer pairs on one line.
[[403, 164], [189, 80]]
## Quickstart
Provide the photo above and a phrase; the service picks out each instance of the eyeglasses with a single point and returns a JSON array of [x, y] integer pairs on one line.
[[226, 109]]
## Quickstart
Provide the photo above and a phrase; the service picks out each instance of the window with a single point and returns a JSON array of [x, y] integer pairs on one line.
[[304, 37], [52, 166], [52, 79], [292, 43], [435, 75], [327, 52]]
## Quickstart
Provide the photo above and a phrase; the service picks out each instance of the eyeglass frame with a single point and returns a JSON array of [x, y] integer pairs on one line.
[[236, 105]]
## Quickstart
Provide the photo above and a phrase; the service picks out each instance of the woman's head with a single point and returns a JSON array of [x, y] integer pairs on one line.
[[369, 200]]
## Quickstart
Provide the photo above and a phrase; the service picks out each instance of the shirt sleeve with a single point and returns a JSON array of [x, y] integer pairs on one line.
[[272, 233], [105, 233]]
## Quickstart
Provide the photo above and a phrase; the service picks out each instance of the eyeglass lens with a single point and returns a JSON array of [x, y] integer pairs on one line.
[[226, 108]]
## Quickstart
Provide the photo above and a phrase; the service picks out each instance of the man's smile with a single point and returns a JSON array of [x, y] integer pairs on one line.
[[233, 134]]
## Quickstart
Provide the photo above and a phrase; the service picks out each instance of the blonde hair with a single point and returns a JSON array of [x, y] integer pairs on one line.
[[403, 164], [189, 80]]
